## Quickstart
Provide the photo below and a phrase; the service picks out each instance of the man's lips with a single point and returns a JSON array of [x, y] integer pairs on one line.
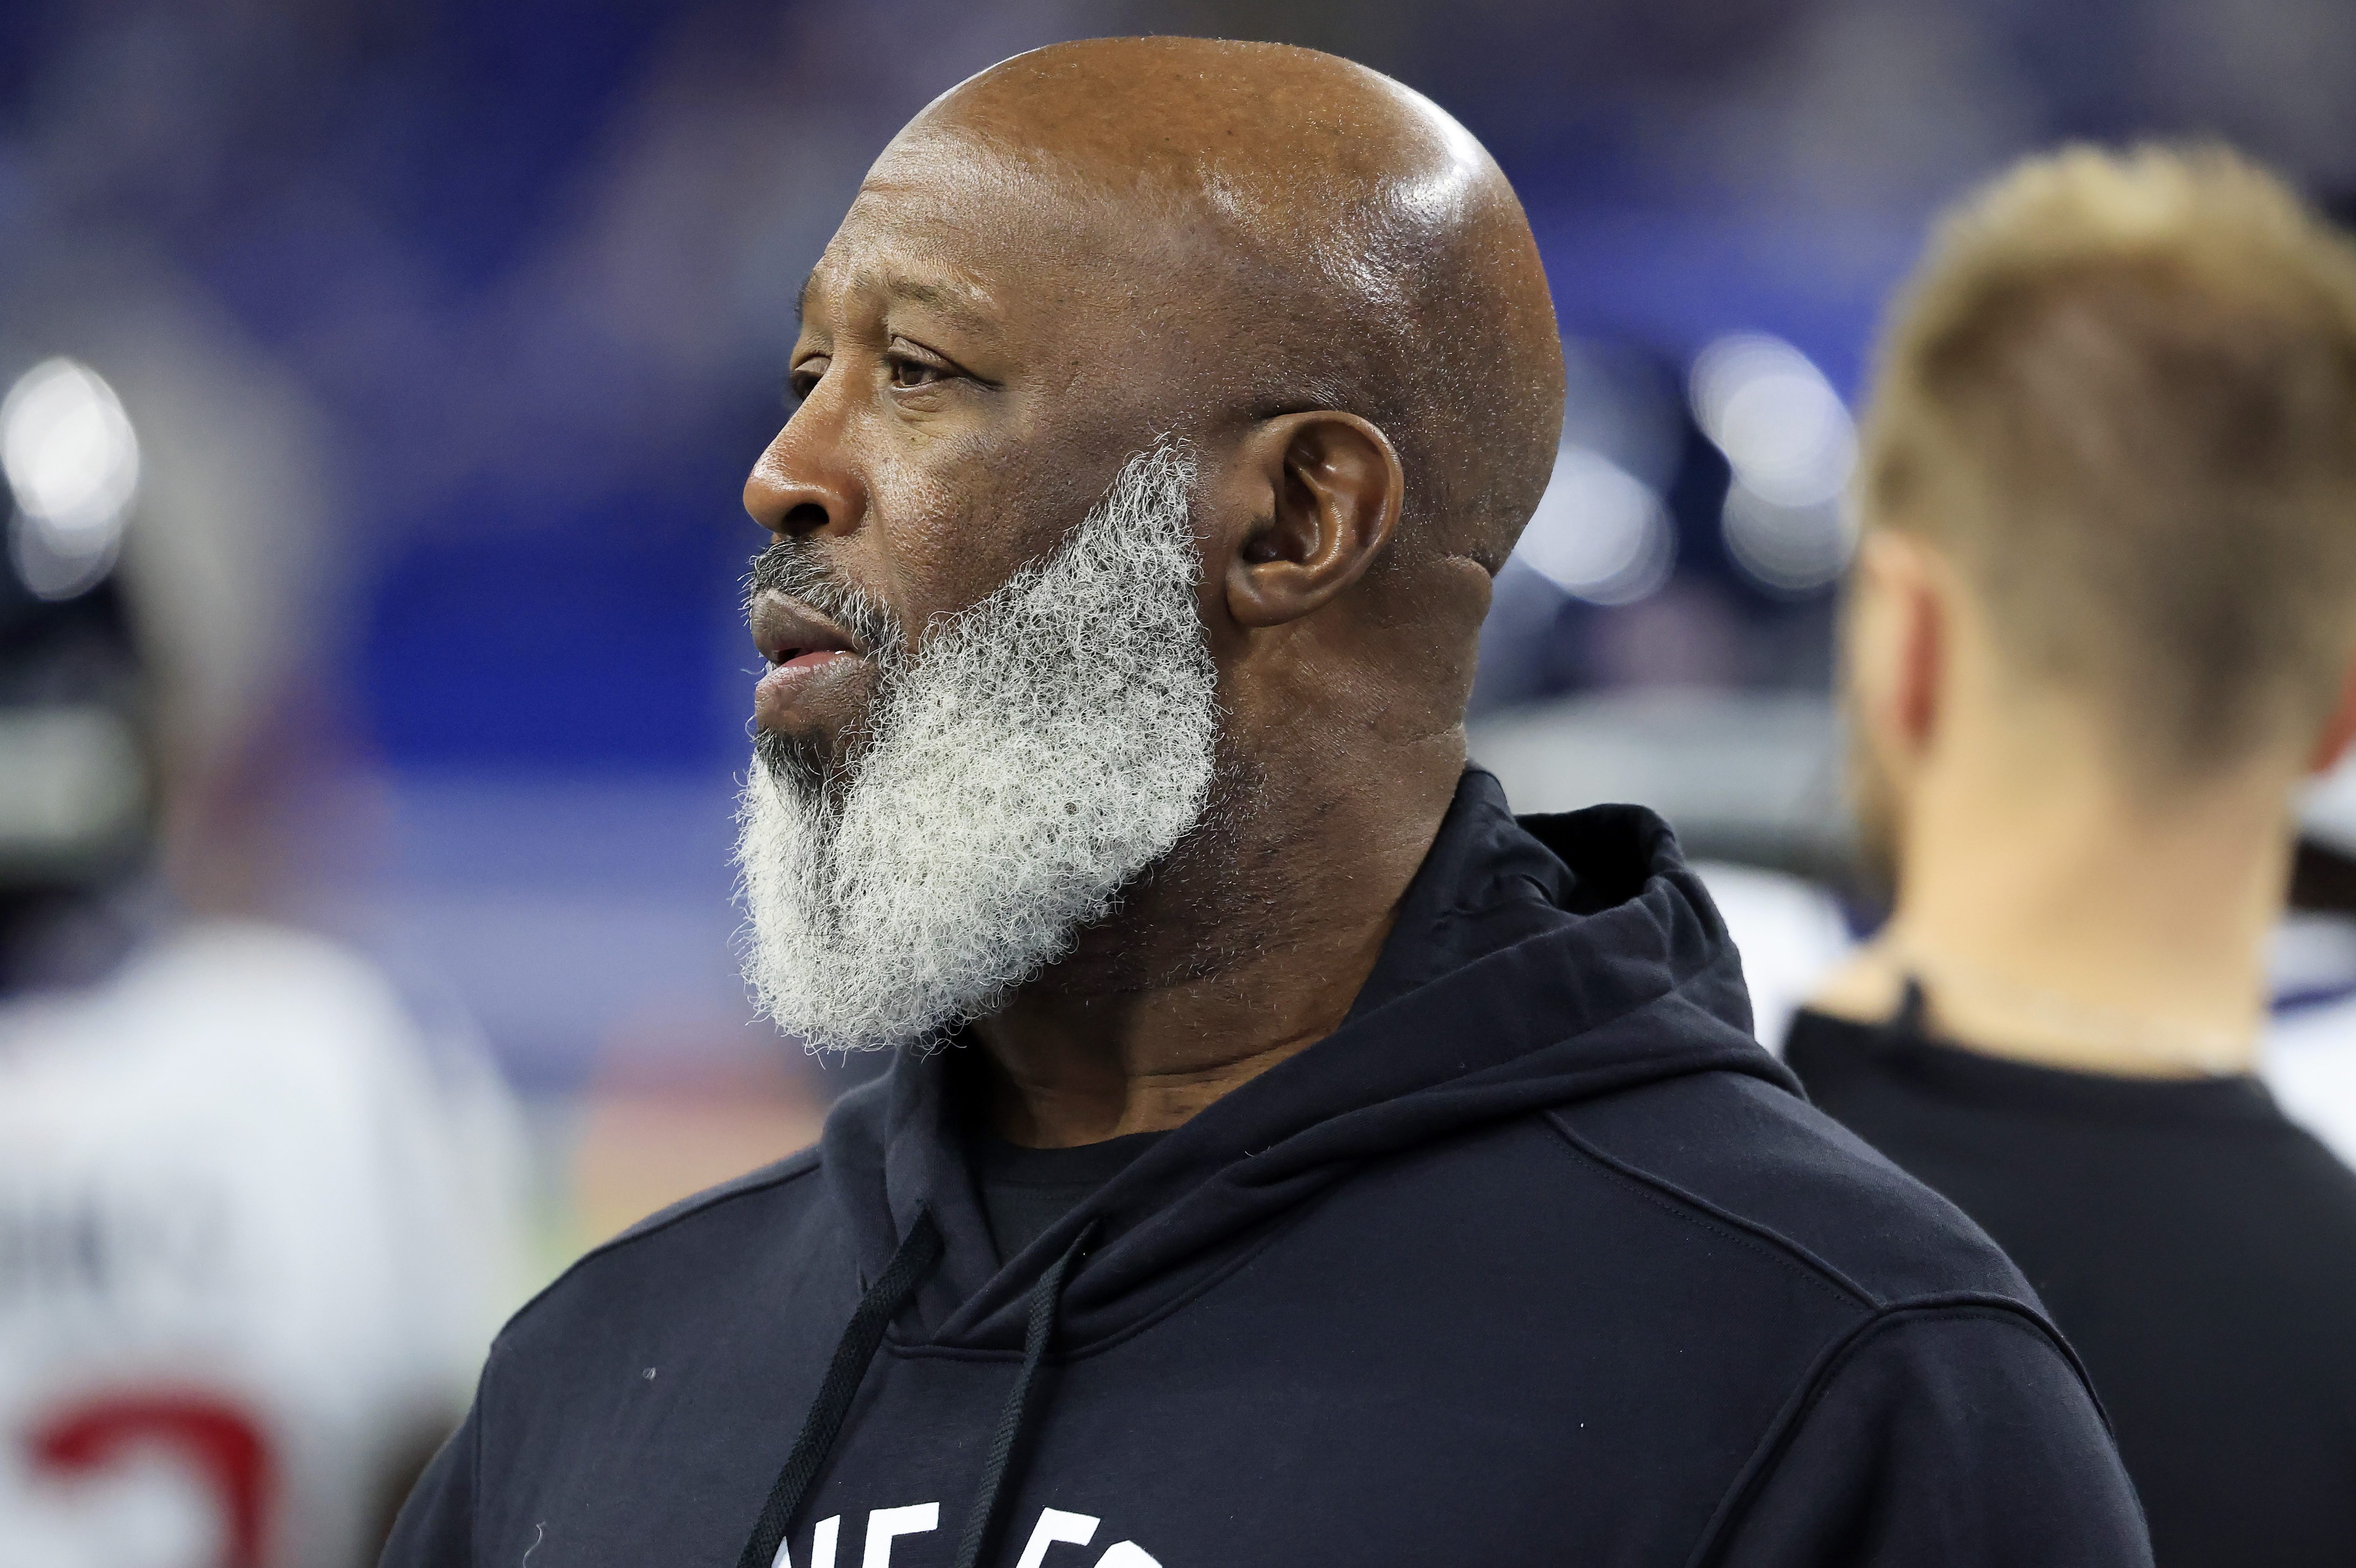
[[808, 653], [786, 630]]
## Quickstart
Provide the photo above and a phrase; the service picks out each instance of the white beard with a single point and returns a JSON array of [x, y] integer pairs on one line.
[[1042, 748]]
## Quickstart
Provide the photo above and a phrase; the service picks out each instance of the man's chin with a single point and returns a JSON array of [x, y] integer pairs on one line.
[[803, 763]]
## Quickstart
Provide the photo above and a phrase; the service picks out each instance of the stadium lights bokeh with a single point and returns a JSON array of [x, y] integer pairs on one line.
[[1791, 445], [72, 462], [1600, 533]]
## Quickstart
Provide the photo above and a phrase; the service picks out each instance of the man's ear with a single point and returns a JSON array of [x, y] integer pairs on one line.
[[2339, 730], [1323, 490], [1898, 635]]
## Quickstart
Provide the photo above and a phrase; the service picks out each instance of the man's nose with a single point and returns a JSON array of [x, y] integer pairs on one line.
[[799, 487]]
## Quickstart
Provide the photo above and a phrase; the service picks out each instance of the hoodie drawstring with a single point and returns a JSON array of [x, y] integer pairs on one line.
[[910, 1266], [918, 1254], [1046, 1297]]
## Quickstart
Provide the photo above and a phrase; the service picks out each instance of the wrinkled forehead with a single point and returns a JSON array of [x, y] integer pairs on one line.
[[1191, 219], [999, 228]]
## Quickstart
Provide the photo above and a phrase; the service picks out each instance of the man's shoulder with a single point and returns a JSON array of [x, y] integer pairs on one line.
[[1741, 1153], [686, 1221], [697, 1242]]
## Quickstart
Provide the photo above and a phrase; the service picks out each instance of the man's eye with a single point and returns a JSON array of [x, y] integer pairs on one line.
[[910, 373], [802, 380]]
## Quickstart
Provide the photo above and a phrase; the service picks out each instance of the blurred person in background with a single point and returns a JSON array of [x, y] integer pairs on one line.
[[256, 1220], [1285, 1155], [2100, 631]]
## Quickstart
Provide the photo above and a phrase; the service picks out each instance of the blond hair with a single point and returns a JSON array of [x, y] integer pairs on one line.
[[2120, 392]]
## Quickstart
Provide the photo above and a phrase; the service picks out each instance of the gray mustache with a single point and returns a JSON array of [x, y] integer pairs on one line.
[[791, 568]]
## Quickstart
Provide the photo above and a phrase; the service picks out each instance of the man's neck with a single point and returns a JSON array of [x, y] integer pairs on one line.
[[1138, 1034], [2074, 925]]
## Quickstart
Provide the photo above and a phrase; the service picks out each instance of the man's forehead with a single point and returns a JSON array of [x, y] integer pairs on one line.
[[902, 273], [960, 190], [935, 242], [971, 232], [1336, 184]]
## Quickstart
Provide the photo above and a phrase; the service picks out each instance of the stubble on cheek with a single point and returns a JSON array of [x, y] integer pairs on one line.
[[982, 508]]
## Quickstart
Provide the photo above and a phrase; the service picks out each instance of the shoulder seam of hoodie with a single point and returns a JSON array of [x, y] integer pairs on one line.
[[1734, 1506], [1696, 1208], [791, 1168]]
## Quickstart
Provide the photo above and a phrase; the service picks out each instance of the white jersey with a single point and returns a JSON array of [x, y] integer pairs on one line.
[[255, 1235], [1790, 935]]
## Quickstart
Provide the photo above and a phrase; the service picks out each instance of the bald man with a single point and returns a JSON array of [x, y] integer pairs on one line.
[[1289, 1156]]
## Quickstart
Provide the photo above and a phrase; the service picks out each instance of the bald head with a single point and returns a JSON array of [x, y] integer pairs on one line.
[[1334, 240]]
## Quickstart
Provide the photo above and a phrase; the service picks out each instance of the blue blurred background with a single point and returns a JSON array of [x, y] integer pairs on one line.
[[474, 316]]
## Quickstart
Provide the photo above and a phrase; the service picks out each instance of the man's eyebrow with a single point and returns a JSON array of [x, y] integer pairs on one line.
[[954, 303], [958, 305]]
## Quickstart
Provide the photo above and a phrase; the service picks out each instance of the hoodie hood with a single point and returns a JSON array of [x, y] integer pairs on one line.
[[1534, 962]]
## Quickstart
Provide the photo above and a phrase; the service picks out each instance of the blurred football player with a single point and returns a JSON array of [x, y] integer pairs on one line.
[[2100, 631], [255, 1223]]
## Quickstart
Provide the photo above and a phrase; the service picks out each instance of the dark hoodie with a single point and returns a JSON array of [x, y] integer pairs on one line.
[[1538, 1259]]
